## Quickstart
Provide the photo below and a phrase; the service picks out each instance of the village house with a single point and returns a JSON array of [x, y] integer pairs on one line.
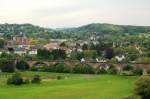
[[32, 52], [58, 40], [68, 52], [120, 58], [20, 51], [23, 43], [33, 49], [51, 46]]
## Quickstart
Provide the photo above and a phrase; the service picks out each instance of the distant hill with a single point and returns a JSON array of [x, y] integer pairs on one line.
[[21, 28], [79, 32], [108, 28], [26, 29]]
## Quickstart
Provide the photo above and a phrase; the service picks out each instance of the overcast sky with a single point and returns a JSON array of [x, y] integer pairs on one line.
[[70, 13]]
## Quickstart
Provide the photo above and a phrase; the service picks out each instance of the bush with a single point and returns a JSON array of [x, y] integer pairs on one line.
[[130, 70], [106, 70], [127, 73], [132, 57], [137, 71], [34, 68], [39, 68], [59, 77], [143, 87], [16, 79], [59, 67], [62, 68], [112, 70], [7, 66], [26, 81], [36, 79], [145, 60], [127, 68], [148, 71], [22, 65], [83, 69], [101, 71], [50, 68]]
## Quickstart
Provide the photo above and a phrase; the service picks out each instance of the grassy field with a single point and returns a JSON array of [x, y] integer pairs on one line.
[[73, 87]]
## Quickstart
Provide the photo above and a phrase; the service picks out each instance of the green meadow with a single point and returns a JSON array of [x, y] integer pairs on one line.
[[73, 86]]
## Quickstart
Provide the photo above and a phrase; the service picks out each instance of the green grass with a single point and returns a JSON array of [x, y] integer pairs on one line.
[[74, 87]]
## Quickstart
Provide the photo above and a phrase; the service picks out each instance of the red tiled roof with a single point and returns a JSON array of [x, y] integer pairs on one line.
[[51, 46], [22, 41]]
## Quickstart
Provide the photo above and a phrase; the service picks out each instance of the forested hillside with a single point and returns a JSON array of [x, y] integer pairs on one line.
[[109, 28], [80, 32]]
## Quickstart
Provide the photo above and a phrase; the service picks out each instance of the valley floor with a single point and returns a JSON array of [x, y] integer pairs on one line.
[[74, 86]]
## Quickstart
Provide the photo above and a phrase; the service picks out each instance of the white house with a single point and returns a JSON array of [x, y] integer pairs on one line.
[[1, 52], [79, 50], [119, 59], [20, 51], [32, 52], [82, 60], [68, 52]]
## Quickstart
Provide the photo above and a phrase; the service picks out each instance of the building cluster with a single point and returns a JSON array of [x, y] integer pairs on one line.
[[24, 46]]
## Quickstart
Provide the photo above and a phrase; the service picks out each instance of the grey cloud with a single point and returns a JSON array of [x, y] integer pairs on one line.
[[47, 12]]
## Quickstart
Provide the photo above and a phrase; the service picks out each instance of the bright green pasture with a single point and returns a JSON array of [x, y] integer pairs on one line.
[[73, 87]]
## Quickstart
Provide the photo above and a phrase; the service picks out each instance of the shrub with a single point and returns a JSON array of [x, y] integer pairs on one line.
[[132, 57], [143, 87], [83, 69], [127, 73], [39, 68], [137, 71], [145, 60], [127, 68], [33, 68], [50, 68], [26, 81], [112, 70], [59, 67], [113, 60], [22, 65], [62, 68], [130, 70], [148, 71], [9, 81], [7, 66], [106, 70], [36, 79], [59, 77], [16, 79], [101, 71]]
